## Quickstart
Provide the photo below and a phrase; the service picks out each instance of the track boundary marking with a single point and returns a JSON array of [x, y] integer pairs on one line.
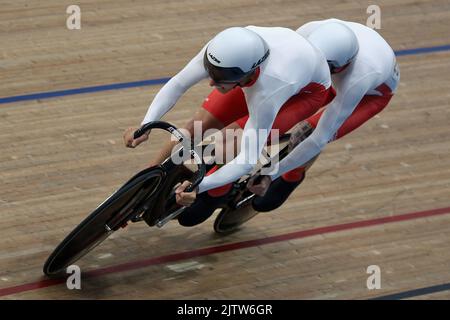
[[226, 247]]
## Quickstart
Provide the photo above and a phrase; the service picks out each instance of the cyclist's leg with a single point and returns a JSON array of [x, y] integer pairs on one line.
[[226, 108], [366, 109], [218, 110], [302, 107], [301, 131], [296, 109]]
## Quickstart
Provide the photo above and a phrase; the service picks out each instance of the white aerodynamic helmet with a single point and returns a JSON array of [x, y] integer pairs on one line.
[[337, 42], [233, 54]]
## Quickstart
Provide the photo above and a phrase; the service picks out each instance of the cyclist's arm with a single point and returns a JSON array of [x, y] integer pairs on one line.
[[169, 94], [254, 137], [349, 94]]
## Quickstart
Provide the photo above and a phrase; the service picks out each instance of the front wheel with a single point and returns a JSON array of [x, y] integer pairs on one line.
[[109, 216]]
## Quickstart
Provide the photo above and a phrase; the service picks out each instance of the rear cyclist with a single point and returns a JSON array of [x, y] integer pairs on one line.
[[365, 75]]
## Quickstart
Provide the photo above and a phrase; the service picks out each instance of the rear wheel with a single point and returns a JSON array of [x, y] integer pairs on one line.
[[109, 216], [229, 219]]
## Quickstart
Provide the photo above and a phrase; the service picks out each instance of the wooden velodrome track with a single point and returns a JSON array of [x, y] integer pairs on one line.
[[61, 156]]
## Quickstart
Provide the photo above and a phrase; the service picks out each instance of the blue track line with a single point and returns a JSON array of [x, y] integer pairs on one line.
[[61, 93], [409, 52], [153, 82]]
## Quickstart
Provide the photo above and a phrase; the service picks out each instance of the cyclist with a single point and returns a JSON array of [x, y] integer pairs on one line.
[[365, 75], [263, 78]]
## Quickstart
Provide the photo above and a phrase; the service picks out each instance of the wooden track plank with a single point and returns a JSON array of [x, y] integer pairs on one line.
[[61, 157]]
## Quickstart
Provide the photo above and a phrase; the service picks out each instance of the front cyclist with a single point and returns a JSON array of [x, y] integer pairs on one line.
[[264, 78]]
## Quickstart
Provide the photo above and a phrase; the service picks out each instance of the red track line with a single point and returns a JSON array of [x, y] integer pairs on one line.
[[226, 247]]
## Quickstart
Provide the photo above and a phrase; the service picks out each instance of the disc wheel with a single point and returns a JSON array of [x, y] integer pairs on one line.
[[109, 216], [229, 219]]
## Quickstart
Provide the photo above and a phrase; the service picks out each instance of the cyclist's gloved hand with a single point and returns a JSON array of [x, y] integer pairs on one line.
[[259, 184], [128, 138], [185, 198]]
